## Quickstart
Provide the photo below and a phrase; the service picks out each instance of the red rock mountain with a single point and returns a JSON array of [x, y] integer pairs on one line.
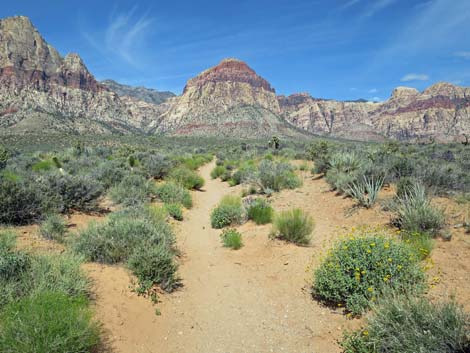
[[42, 91]]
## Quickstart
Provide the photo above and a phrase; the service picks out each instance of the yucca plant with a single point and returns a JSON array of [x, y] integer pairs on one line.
[[366, 191]]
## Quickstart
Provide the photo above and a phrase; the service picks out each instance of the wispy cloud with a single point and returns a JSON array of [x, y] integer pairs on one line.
[[349, 4], [373, 90], [377, 6], [463, 54], [124, 36], [415, 77]]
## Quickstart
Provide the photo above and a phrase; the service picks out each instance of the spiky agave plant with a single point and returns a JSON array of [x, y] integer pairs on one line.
[[366, 191]]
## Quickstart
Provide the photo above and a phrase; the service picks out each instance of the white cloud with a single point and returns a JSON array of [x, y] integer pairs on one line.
[[349, 4], [373, 90], [463, 54], [415, 77], [378, 6]]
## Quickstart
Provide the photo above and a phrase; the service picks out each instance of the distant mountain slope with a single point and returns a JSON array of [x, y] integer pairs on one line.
[[147, 95]]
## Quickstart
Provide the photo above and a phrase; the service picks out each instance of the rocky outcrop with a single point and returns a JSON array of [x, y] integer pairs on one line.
[[441, 112], [143, 94], [229, 99]]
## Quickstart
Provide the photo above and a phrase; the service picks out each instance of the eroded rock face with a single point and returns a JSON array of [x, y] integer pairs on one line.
[[441, 112], [229, 99], [147, 95]]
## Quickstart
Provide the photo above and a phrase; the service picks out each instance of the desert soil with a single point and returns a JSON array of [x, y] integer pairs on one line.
[[256, 299]]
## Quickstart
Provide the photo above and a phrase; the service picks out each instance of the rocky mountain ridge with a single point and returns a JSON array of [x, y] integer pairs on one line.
[[42, 91]]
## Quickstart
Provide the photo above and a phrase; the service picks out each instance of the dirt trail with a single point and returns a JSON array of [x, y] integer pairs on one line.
[[253, 300]]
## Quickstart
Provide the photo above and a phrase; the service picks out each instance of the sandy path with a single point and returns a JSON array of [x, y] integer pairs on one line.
[[253, 300]]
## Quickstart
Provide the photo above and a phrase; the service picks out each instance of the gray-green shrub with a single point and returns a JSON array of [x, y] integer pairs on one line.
[[53, 228], [170, 192], [229, 212]]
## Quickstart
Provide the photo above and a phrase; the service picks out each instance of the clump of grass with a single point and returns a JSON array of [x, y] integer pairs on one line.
[[421, 243], [410, 325], [415, 212], [366, 191], [218, 171], [173, 193], [228, 212], [53, 228], [175, 211], [294, 226], [231, 239], [50, 322], [186, 177], [360, 268], [260, 211]]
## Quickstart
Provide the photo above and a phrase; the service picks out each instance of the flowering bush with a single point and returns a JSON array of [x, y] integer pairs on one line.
[[359, 268]]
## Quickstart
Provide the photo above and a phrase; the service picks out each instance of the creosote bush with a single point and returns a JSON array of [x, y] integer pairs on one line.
[[260, 211], [229, 212], [361, 267], [231, 239], [294, 226], [409, 325]]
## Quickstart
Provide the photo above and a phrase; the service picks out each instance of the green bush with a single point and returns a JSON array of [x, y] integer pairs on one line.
[[53, 228], [360, 268], [69, 192], [294, 226], [155, 165], [410, 325], [49, 322], [155, 265], [174, 193], [228, 212], [187, 178], [415, 213], [277, 176], [217, 171], [231, 239], [175, 211], [21, 202], [133, 190], [260, 211]]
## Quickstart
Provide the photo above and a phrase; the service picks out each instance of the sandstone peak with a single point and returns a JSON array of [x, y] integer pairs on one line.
[[404, 92], [444, 89], [230, 70]]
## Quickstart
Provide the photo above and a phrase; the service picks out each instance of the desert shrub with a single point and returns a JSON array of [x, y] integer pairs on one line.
[[48, 323], [21, 202], [320, 152], [228, 212], [294, 226], [188, 178], [156, 165], [360, 268], [70, 192], [277, 176], [109, 173], [114, 241], [344, 169], [4, 156], [54, 228], [173, 193], [133, 190], [231, 239], [405, 185], [175, 211], [260, 211], [13, 264], [410, 325], [415, 213], [217, 171], [155, 265], [366, 191], [421, 243], [43, 166]]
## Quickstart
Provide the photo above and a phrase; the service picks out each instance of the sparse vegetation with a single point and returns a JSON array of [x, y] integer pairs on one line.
[[294, 226], [186, 177], [260, 211], [229, 212], [53, 228], [231, 239], [175, 211], [173, 193]]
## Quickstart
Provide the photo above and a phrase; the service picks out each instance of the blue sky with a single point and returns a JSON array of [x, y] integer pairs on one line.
[[341, 49]]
